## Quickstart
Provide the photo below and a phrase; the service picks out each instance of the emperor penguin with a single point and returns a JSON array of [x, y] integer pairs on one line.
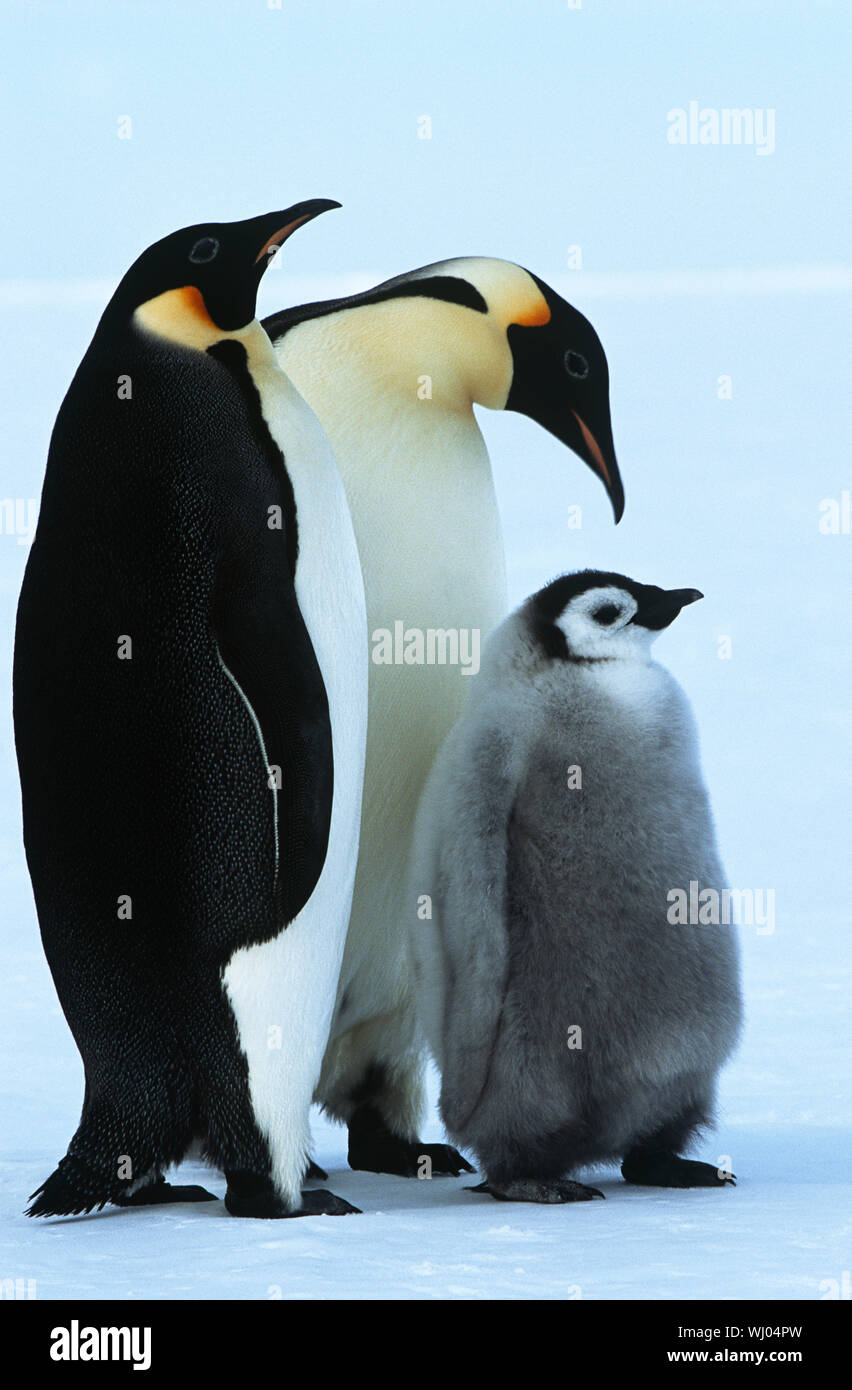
[[190, 699], [574, 1017], [394, 374]]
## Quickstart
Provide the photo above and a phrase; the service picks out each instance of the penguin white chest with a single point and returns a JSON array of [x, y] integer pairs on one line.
[[425, 514], [637, 689], [329, 588], [290, 981]]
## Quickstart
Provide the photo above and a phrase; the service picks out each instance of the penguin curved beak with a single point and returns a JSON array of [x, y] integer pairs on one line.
[[229, 285], [601, 462], [278, 226], [596, 450], [541, 390], [659, 607]]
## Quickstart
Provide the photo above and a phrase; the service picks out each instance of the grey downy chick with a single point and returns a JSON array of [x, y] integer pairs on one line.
[[572, 1021]]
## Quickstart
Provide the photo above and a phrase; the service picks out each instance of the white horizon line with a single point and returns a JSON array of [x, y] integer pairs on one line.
[[585, 284]]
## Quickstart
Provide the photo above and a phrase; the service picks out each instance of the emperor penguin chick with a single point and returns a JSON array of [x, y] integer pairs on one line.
[[573, 1023]]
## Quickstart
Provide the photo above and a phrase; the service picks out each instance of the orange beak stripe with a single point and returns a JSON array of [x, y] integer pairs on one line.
[[593, 448], [278, 238]]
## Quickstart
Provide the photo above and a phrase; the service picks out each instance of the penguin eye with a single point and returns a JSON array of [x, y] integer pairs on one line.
[[606, 614], [576, 365], [204, 250]]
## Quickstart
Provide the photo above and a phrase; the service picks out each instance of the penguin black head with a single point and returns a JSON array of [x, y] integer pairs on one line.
[[515, 345], [561, 380], [596, 615], [209, 273]]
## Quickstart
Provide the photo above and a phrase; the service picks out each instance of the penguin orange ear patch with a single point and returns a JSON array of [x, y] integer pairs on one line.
[[535, 315], [192, 302], [180, 315]]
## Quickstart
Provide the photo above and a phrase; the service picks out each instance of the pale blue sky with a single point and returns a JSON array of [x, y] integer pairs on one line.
[[549, 129]]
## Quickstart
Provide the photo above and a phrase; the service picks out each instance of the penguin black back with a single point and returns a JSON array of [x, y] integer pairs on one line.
[[171, 721]]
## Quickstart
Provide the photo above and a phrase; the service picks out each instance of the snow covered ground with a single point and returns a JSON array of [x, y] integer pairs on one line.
[[724, 495], [782, 1233]]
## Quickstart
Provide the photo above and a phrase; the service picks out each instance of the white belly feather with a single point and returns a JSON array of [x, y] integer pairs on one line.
[[421, 496], [425, 515], [282, 992]]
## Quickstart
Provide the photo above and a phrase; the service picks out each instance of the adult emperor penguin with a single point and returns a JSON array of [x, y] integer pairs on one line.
[[393, 375], [573, 1017], [190, 717]]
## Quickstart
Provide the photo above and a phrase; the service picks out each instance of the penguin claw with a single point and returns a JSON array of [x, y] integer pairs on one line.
[[268, 1206], [445, 1160], [159, 1192], [374, 1148], [548, 1191], [670, 1170], [319, 1202], [254, 1195], [405, 1160]]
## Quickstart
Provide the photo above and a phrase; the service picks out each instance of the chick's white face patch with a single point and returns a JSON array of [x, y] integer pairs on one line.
[[597, 624]]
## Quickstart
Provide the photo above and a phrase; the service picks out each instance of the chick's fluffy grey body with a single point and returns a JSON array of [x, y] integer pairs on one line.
[[549, 906]]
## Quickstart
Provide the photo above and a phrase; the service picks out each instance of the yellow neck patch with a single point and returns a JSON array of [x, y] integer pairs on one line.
[[533, 315], [181, 316]]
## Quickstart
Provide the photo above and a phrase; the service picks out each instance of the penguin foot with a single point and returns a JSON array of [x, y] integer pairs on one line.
[[646, 1169], [249, 1194], [268, 1206], [315, 1173], [318, 1202], [405, 1159], [373, 1148], [550, 1191], [158, 1192]]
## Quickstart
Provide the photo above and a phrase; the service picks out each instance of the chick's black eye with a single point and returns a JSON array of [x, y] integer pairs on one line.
[[204, 250], [576, 365], [606, 614]]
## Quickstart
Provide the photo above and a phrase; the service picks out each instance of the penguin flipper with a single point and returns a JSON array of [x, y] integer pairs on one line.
[[466, 839], [266, 651]]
